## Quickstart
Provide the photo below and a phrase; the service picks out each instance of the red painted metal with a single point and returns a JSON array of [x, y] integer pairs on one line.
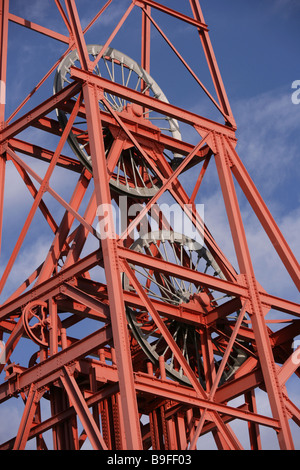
[[107, 388]]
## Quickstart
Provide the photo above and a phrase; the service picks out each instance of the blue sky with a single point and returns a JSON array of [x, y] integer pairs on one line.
[[256, 45]]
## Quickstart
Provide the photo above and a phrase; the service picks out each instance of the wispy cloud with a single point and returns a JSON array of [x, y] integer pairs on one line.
[[108, 18], [268, 136], [268, 146], [44, 13], [10, 418], [32, 254], [287, 7], [269, 270], [34, 10]]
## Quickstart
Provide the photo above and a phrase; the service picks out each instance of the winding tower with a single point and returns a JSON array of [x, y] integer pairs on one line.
[[131, 332]]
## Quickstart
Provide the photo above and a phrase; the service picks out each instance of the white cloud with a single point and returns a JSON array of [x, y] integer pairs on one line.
[[268, 137], [10, 417], [35, 10], [31, 255], [268, 267], [268, 146], [109, 17]]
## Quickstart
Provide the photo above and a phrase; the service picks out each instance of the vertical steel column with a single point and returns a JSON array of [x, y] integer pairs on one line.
[[96, 406], [231, 439], [145, 45], [254, 434], [263, 214], [172, 434], [257, 314], [53, 327], [145, 49], [40, 194], [4, 10], [212, 63], [2, 186], [220, 372], [26, 421], [77, 34], [106, 422], [82, 410], [64, 228], [112, 272], [181, 429]]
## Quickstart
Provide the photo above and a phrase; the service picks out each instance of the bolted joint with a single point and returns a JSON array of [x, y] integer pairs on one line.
[[69, 369]]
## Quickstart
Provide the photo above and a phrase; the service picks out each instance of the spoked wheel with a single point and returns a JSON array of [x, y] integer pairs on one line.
[[132, 175], [36, 322], [183, 251]]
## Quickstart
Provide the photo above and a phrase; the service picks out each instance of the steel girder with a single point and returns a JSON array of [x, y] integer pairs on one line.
[[124, 397]]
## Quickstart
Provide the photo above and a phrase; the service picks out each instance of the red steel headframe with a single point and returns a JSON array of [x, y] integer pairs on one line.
[[126, 392]]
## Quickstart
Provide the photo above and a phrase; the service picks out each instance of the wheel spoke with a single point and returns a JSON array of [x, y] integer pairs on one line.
[[177, 249], [139, 180]]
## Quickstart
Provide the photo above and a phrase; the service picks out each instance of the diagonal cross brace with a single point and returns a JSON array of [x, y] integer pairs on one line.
[[228, 435], [82, 410]]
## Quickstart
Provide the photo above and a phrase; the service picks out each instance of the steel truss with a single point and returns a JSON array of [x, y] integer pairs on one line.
[[126, 391]]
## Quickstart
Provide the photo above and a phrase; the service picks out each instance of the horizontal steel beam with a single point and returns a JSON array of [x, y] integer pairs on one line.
[[182, 272], [50, 369], [190, 313], [145, 132], [277, 303], [55, 282], [264, 216], [144, 383], [38, 28], [165, 109], [44, 154], [39, 111], [176, 14], [208, 281], [173, 391], [100, 308]]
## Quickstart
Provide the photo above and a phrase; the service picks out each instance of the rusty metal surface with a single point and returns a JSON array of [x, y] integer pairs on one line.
[[137, 338]]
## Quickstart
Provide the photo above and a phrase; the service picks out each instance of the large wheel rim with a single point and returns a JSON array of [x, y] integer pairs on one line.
[[168, 289], [132, 175]]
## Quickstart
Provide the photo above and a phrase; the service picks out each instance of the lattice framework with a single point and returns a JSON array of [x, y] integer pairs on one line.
[[105, 379]]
